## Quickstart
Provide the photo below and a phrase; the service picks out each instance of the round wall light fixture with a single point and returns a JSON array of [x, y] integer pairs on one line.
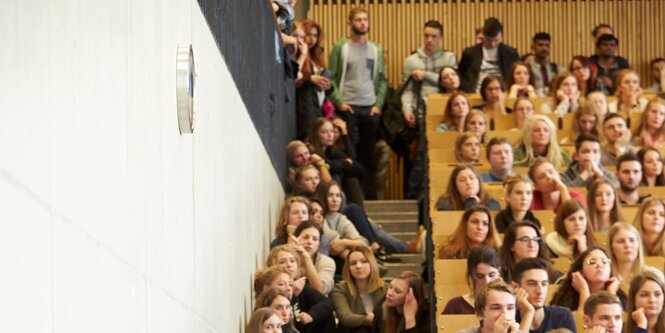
[[185, 88]]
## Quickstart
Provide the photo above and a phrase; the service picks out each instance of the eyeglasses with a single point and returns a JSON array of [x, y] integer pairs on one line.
[[526, 240], [595, 261]]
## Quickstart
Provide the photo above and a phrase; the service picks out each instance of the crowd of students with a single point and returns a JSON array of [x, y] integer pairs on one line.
[[324, 270]]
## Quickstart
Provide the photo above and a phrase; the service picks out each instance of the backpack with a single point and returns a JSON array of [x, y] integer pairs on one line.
[[393, 126]]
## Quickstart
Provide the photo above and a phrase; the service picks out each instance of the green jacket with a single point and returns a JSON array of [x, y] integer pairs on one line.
[[337, 65]]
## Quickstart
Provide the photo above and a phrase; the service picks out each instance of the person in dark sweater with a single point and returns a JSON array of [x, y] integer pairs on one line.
[[531, 280], [482, 267]]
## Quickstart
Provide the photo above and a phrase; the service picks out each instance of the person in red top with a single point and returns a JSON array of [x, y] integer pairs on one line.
[[550, 191]]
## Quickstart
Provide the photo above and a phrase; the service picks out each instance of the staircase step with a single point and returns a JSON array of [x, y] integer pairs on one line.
[[399, 226], [372, 206], [404, 235], [409, 258], [391, 215]]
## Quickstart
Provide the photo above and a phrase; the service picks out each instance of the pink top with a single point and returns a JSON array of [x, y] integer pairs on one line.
[[538, 204]]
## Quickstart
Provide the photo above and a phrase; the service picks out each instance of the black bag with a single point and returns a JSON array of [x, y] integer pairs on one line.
[[393, 126]]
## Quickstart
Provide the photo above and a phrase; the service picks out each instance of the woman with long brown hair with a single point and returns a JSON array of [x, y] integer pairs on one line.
[[475, 229], [406, 308], [358, 298], [572, 233], [465, 190], [645, 303]]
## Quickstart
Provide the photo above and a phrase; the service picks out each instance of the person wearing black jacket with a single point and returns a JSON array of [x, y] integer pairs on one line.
[[487, 58]]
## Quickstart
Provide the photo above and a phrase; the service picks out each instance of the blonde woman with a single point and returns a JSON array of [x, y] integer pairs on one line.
[[651, 130], [358, 298], [604, 205], [565, 93], [625, 249], [467, 148], [649, 222], [585, 121], [539, 139], [627, 91]]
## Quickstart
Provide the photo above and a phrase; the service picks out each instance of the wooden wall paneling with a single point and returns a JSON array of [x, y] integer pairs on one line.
[[397, 26]]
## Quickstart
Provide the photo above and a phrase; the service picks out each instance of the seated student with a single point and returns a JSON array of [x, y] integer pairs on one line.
[[493, 93], [406, 308], [652, 167], [475, 122], [539, 139], [657, 67], [645, 304], [474, 230], [649, 222], [590, 273], [297, 262], [358, 298], [264, 320], [617, 137], [579, 67], [308, 235], [464, 190], [330, 195], [598, 101], [530, 276], [629, 174], [585, 121], [604, 206], [316, 311], [298, 156], [495, 306], [572, 233], [279, 301], [343, 167], [519, 194], [449, 80], [523, 241], [625, 246], [603, 313], [500, 157], [565, 93], [294, 211], [306, 180], [337, 214], [550, 191], [482, 267], [523, 110], [651, 130], [467, 148], [586, 166], [627, 91], [455, 113], [520, 81]]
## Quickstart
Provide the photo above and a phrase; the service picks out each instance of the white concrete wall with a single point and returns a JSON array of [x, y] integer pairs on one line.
[[110, 220]]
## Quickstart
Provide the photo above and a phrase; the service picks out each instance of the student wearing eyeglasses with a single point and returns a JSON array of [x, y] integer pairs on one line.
[[522, 241], [590, 272]]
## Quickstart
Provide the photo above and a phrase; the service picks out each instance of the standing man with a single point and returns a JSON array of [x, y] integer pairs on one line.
[[544, 71], [491, 57], [360, 85], [422, 68], [605, 64]]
